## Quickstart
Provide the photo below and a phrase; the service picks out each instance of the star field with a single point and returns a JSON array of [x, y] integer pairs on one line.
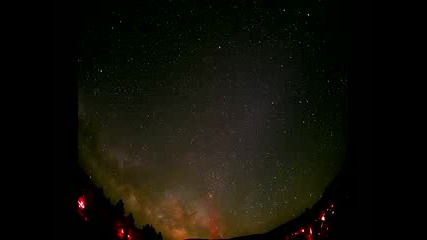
[[212, 120]]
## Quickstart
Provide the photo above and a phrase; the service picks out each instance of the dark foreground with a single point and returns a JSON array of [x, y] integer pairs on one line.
[[338, 215]]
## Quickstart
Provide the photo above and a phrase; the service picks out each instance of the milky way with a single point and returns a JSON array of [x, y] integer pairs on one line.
[[212, 120]]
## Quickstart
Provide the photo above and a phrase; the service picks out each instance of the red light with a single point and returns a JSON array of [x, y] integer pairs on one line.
[[302, 230], [311, 232], [332, 205], [81, 203], [128, 236], [121, 233]]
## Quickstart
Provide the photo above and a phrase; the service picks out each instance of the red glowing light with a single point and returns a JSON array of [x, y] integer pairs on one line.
[[332, 205], [302, 230], [128, 236], [311, 232], [81, 203], [121, 233]]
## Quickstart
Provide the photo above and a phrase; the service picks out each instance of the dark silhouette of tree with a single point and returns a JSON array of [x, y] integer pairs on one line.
[[120, 209], [130, 220], [129, 223], [149, 233], [102, 219]]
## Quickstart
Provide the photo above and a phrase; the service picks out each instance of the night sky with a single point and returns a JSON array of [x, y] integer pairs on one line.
[[212, 120]]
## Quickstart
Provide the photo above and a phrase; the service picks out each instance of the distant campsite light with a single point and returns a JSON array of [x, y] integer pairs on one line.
[[81, 202], [121, 233], [323, 216]]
